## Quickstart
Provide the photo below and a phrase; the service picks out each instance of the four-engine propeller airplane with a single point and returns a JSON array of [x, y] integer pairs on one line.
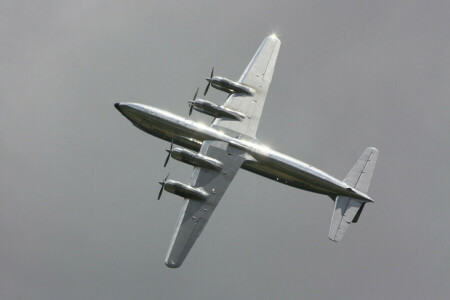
[[217, 152]]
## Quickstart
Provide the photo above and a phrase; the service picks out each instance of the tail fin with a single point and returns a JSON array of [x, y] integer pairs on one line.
[[346, 209], [361, 173]]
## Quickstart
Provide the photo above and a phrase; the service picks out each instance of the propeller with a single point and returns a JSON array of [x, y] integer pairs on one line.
[[191, 102], [170, 152], [162, 183], [209, 81]]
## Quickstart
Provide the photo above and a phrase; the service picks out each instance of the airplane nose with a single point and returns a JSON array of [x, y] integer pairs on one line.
[[117, 106], [208, 79], [136, 113]]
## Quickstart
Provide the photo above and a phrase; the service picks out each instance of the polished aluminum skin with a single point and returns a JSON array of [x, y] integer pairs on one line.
[[229, 143], [184, 190], [261, 160], [216, 111], [195, 159], [229, 86]]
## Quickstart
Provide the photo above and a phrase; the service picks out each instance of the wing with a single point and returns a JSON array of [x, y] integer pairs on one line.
[[195, 214], [258, 76]]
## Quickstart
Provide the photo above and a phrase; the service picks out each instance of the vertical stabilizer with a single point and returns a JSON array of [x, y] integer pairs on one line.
[[361, 173]]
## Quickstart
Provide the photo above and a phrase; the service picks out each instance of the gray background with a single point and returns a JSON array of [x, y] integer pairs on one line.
[[78, 212]]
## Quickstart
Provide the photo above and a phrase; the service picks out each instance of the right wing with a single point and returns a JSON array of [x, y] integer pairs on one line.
[[258, 76], [195, 213]]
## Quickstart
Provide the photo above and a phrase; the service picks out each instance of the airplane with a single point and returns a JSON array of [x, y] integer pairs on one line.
[[218, 151]]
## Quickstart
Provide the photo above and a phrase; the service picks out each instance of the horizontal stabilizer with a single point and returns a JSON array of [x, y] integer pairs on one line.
[[345, 211]]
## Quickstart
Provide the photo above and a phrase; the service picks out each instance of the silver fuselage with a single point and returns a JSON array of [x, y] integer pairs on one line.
[[261, 160]]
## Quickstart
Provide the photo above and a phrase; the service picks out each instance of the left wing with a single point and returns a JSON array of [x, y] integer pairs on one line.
[[196, 213], [258, 76]]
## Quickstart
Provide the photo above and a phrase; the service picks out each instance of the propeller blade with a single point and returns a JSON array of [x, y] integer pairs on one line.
[[191, 102], [168, 156], [160, 191], [209, 81], [207, 88], [162, 183], [195, 96], [167, 160]]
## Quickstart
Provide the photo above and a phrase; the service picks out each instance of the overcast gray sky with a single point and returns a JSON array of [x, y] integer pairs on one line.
[[78, 212]]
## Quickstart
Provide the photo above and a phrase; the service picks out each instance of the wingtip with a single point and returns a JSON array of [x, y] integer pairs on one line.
[[274, 36], [172, 264], [373, 149]]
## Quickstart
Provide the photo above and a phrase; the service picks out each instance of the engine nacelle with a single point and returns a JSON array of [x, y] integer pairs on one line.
[[230, 86], [216, 111], [195, 159], [184, 190]]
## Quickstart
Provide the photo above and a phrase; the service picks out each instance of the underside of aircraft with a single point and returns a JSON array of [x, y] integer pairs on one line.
[[217, 153]]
